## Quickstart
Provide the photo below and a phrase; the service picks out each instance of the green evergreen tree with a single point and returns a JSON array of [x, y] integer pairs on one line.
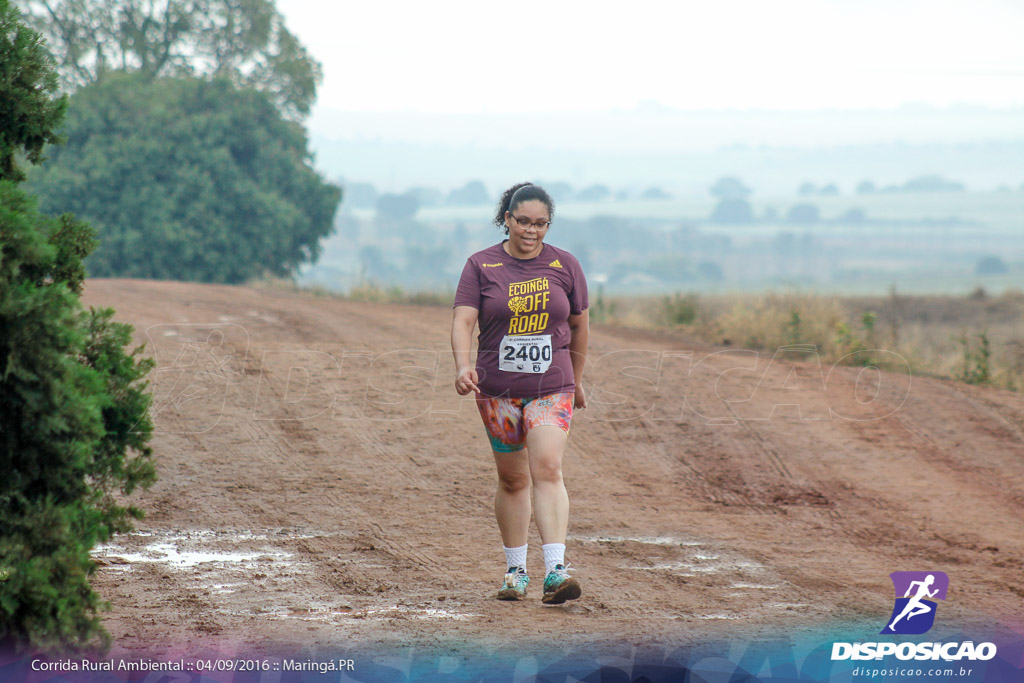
[[74, 421]]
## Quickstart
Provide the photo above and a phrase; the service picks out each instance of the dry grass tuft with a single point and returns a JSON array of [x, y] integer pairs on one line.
[[975, 338]]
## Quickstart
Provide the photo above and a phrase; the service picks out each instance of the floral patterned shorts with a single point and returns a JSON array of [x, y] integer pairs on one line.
[[509, 419]]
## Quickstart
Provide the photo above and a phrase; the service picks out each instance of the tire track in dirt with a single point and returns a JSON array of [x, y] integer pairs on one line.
[[363, 441]]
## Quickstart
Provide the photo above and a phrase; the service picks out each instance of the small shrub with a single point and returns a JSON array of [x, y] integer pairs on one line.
[[679, 309], [793, 334], [855, 348], [867, 322], [974, 368], [602, 311]]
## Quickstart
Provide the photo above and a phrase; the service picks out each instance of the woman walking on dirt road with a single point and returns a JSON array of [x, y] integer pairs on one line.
[[530, 300]]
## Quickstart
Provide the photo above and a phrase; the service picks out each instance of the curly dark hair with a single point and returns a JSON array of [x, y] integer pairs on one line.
[[522, 192]]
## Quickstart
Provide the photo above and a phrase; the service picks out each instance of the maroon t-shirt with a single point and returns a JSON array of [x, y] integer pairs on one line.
[[524, 307]]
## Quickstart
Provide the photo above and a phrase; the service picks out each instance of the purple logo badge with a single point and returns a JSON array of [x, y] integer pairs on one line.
[[916, 592]]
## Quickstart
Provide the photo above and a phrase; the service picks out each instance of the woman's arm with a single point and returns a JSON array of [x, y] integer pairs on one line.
[[463, 322], [579, 328]]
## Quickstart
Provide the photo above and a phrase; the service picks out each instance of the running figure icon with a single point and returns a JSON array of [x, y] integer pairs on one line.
[[916, 595], [914, 606]]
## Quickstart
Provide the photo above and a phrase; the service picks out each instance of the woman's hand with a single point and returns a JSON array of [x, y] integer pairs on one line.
[[466, 381], [579, 401], [579, 329], [463, 322]]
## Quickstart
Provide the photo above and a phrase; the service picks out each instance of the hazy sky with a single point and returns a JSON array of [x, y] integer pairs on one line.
[[468, 56]]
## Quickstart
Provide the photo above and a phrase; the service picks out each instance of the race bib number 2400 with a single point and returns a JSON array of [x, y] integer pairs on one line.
[[530, 353]]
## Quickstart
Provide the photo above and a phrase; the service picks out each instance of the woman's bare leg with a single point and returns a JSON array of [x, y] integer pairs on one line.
[[512, 499], [546, 444]]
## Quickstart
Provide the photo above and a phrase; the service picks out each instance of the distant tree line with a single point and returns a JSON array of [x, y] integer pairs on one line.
[[925, 183], [733, 206], [729, 190], [364, 195]]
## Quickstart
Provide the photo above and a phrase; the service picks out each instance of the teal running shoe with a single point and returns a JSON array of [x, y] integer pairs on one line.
[[515, 584], [559, 586]]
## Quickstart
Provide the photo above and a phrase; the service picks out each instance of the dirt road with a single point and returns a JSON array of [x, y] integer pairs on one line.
[[321, 484]]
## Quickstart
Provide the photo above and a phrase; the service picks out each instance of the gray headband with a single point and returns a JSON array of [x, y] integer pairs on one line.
[[512, 199]]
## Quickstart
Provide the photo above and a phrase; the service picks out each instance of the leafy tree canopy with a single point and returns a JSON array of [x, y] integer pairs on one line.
[[655, 192], [245, 41], [397, 207], [594, 193], [804, 214], [471, 194], [732, 211], [188, 179], [360, 195], [730, 187], [990, 265], [559, 191]]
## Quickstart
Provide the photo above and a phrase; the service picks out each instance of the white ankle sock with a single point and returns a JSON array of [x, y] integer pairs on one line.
[[516, 557], [554, 553]]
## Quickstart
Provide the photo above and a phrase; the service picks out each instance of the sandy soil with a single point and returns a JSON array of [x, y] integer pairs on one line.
[[321, 484]]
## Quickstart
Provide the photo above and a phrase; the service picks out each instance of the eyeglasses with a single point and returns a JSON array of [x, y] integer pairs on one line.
[[523, 221]]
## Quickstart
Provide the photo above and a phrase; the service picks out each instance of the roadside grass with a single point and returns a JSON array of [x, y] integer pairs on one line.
[[366, 292], [978, 339]]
